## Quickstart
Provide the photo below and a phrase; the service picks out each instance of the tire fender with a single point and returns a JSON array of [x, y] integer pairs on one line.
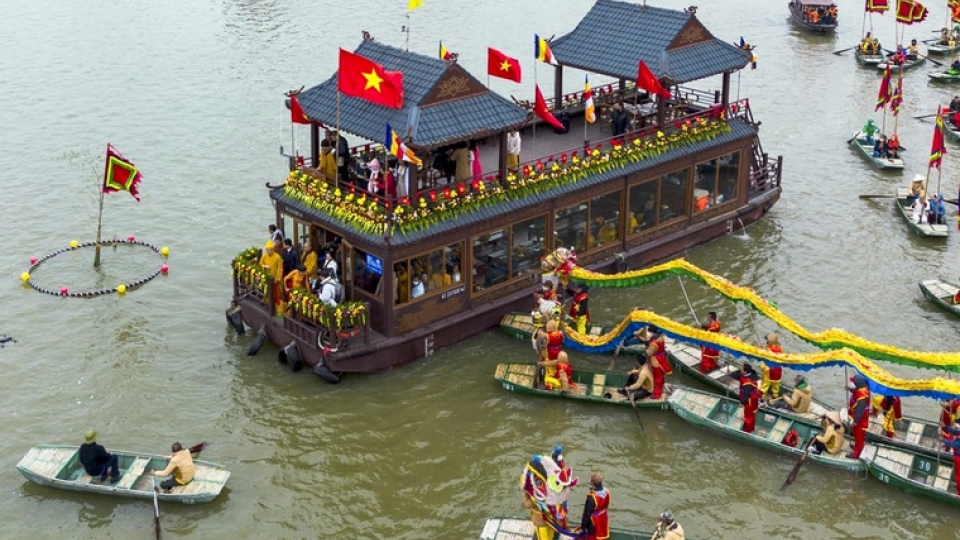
[[257, 342]]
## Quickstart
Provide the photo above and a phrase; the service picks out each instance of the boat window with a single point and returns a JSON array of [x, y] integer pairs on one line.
[[605, 213], [705, 189], [643, 207], [490, 259], [527, 244], [367, 272], [673, 196], [728, 176], [436, 270], [401, 282], [570, 228]]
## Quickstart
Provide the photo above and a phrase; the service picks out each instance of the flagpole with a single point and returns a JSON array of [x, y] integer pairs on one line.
[[535, 62], [96, 253], [336, 152]]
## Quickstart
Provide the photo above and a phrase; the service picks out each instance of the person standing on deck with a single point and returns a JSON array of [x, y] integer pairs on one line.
[[949, 413], [619, 119], [657, 352], [595, 523], [953, 443], [580, 307], [860, 412], [890, 406], [749, 397], [709, 356], [328, 162], [461, 159], [273, 264], [513, 151], [308, 258], [771, 374]]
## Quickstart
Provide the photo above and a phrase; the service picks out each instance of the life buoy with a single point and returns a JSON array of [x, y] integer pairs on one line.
[[235, 319], [321, 370], [257, 342], [791, 438], [290, 354]]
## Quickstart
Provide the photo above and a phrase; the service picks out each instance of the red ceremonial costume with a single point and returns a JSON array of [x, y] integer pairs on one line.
[[750, 398], [948, 415], [659, 366], [861, 405], [554, 344], [599, 520], [708, 356]]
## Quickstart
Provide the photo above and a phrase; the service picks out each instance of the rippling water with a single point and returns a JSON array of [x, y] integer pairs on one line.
[[192, 92]]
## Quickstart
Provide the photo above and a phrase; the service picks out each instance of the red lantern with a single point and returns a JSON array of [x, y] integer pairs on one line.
[[475, 184], [461, 189], [526, 170], [539, 166], [433, 195], [405, 201], [563, 158]]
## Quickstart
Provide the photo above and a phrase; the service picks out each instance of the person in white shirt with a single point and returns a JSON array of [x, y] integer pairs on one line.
[[513, 151], [418, 289], [330, 264], [328, 288]]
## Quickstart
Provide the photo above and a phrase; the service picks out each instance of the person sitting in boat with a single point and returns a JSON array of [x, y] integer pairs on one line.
[[799, 400], [181, 467], [866, 43], [913, 50], [831, 440], [899, 57], [945, 36], [954, 121], [880, 147], [96, 460], [869, 130], [875, 47], [668, 528], [749, 397], [830, 15], [710, 355], [639, 380], [936, 210], [916, 188], [920, 207], [954, 69], [955, 102], [893, 147], [559, 373], [814, 15]]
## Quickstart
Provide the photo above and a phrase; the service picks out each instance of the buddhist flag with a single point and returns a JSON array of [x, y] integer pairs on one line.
[[937, 148], [883, 96], [365, 79], [297, 116], [443, 53], [589, 112], [396, 148], [541, 110], [414, 4], [501, 65], [541, 50], [120, 174], [909, 12], [647, 81], [753, 56], [877, 6]]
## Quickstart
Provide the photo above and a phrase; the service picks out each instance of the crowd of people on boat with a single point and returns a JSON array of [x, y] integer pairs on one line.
[[820, 14], [304, 269], [926, 209], [869, 45]]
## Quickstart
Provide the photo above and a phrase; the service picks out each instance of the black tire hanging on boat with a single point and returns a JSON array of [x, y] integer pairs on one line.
[[257, 342], [235, 320], [325, 374], [291, 355]]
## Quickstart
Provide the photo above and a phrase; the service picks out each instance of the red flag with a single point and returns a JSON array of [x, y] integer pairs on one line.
[[365, 79], [501, 65], [883, 97], [120, 174], [648, 82], [937, 148], [877, 6], [541, 110], [909, 11], [297, 116], [896, 96]]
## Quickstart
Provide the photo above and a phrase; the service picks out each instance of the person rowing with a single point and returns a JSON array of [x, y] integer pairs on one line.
[[668, 528]]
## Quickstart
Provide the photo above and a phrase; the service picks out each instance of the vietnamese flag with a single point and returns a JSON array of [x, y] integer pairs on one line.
[[647, 81], [541, 110], [365, 79], [501, 65], [297, 116]]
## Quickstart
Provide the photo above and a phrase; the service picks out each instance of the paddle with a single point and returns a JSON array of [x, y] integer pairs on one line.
[[656, 533], [851, 139], [845, 50], [616, 353], [935, 62], [796, 469], [925, 116], [197, 448], [156, 508], [879, 196], [635, 411]]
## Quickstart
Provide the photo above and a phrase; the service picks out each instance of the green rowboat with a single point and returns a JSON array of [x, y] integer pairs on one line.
[[520, 325], [865, 148], [515, 528], [869, 60], [922, 229], [935, 47], [918, 474], [59, 467], [941, 294], [945, 76], [725, 415], [590, 386], [908, 64]]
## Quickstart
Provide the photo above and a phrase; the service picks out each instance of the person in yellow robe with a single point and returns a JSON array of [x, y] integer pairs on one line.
[[273, 264], [308, 258], [328, 162]]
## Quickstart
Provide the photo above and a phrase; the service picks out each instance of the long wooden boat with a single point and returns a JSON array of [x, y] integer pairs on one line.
[[519, 324], [798, 14], [725, 415], [944, 76], [865, 149], [951, 131], [922, 229], [870, 60], [515, 528], [915, 473], [59, 467], [480, 240], [907, 64], [590, 386], [936, 48], [941, 294]]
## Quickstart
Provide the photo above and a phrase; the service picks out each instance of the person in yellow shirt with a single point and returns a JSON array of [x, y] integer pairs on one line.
[[607, 233], [308, 258], [328, 162], [181, 467], [296, 279], [273, 264], [440, 279], [831, 440]]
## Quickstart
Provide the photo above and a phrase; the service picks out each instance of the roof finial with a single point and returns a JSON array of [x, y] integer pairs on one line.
[[691, 10], [367, 36]]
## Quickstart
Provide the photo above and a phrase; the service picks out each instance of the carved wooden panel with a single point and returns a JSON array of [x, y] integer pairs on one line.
[[692, 33], [455, 83]]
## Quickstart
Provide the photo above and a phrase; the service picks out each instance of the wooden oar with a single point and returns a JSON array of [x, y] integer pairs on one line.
[[796, 469], [851, 139], [197, 448], [616, 353], [936, 63], [925, 116], [879, 196], [656, 533], [635, 411], [156, 508], [845, 50]]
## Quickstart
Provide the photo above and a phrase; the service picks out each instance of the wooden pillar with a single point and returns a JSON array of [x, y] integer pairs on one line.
[[622, 88], [726, 89], [661, 111], [315, 144], [557, 88], [501, 159]]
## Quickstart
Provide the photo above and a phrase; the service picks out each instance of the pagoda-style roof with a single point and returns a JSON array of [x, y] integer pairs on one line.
[[614, 36], [442, 102]]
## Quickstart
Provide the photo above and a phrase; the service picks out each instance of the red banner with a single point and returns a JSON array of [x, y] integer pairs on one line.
[[365, 79]]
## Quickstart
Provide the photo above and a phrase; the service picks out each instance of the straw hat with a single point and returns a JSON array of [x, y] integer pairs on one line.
[[90, 436], [834, 417], [919, 178]]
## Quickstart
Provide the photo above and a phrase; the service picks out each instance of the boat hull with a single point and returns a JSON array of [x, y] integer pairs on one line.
[[865, 149], [589, 386], [935, 48], [944, 77], [870, 60], [917, 474], [941, 294], [921, 229], [515, 528], [907, 65], [797, 17]]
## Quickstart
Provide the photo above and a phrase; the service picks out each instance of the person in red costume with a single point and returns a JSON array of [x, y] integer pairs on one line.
[[595, 523], [749, 397], [890, 406], [950, 411], [771, 375], [709, 356], [953, 443], [580, 307], [657, 352], [860, 411]]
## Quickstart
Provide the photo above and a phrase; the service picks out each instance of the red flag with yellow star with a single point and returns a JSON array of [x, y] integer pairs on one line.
[[365, 79], [120, 174], [501, 65]]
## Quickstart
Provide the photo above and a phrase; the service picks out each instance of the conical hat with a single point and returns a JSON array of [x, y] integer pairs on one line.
[[919, 178], [834, 417]]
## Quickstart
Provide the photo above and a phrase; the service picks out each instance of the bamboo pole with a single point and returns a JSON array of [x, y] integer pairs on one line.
[[96, 254]]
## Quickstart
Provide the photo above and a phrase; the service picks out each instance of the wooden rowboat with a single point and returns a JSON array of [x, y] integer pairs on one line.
[[945, 76], [941, 293], [870, 60], [59, 467], [798, 15], [907, 64], [915, 473], [951, 131], [725, 415], [520, 325], [590, 386], [515, 528], [936, 48], [923, 229], [865, 148]]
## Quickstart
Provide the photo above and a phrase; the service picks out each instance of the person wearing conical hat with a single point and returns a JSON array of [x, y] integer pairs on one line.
[[272, 262], [916, 188], [709, 355], [595, 523], [831, 440]]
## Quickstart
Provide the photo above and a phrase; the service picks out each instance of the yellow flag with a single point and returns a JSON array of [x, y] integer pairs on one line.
[[414, 4]]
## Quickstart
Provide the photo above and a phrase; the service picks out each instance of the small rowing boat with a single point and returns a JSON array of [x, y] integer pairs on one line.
[[945, 76], [912, 472], [936, 47], [515, 528], [725, 415], [936, 230], [907, 64], [865, 147], [870, 60], [941, 294], [520, 325], [814, 15], [589, 385], [59, 467], [950, 130]]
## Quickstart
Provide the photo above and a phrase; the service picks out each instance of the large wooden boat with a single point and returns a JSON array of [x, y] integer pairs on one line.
[[941, 294], [690, 170], [935, 230], [515, 528], [725, 415], [916, 473], [589, 386], [59, 467], [865, 148], [799, 13]]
